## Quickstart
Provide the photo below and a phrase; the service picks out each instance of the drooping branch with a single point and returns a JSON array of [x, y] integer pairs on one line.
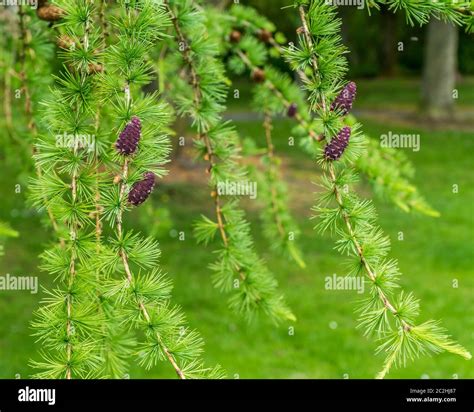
[[67, 321], [203, 134], [128, 271], [360, 236], [143, 300], [24, 51], [238, 269], [278, 215], [74, 227]]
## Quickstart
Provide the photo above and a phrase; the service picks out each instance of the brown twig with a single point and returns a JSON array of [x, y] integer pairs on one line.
[[370, 272], [72, 276], [103, 23], [73, 233], [309, 41], [7, 105], [267, 125]]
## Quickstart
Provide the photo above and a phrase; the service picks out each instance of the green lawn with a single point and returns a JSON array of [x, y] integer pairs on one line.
[[404, 92], [379, 94], [433, 253]]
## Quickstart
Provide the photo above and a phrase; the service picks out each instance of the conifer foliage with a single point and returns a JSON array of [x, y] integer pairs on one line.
[[389, 313], [111, 304], [387, 169], [68, 322], [201, 95], [108, 284]]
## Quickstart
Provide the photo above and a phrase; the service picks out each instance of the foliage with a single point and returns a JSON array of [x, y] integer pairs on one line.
[[201, 95], [417, 11], [388, 171], [110, 292], [108, 286], [388, 313]]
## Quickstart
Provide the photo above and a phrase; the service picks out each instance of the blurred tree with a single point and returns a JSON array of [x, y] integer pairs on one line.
[[382, 30], [358, 30], [272, 9], [440, 69], [466, 53], [389, 54]]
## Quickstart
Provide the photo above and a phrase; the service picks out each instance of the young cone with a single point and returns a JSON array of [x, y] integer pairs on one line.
[[265, 35], [235, 36], [142, 189], [127, 142], [292, 109], [50, 13], [345, 98], [258, 76], [338, 144]]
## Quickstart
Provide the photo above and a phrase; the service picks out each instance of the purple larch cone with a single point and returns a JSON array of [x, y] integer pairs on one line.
[[142, 189], [127, 142], [335, 148], [292, 109], [345, 98]]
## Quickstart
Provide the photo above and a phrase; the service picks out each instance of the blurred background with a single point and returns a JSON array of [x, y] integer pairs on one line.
[[406, 78]]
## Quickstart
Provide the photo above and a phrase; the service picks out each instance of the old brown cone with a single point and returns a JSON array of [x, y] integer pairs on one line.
[[235, 36], [265, 35], [258, 76], [50, 13], [65, 42]]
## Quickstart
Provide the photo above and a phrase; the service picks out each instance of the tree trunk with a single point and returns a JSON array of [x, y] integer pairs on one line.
[[440, 68], [389, 52]]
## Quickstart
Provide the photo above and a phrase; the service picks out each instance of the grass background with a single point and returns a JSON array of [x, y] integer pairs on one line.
[[325, 343]]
